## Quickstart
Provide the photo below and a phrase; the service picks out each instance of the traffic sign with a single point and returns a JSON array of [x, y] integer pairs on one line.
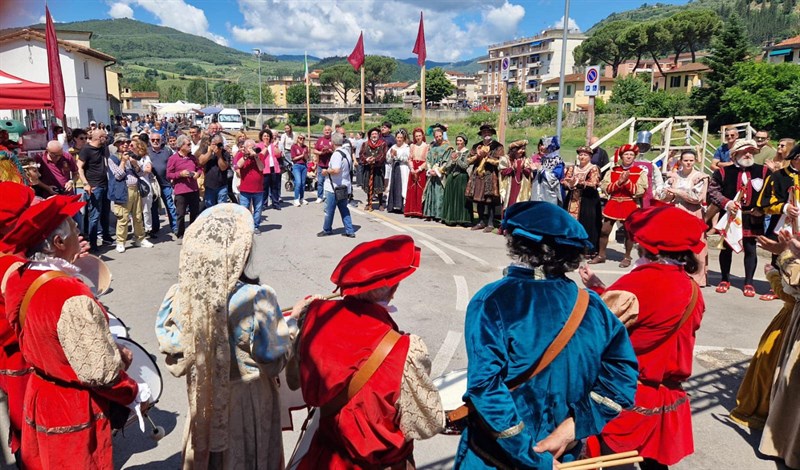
[[504, 65], [591, 82]]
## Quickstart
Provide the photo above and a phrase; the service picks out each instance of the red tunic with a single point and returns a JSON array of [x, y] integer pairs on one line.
[[621, 202], [66, 424], [415, 189], [660, 424], [14, 370], [335, 340]]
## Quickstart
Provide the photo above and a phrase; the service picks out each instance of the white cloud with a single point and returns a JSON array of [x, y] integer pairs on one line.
[[120, 10], [572, 25], [453, 30]]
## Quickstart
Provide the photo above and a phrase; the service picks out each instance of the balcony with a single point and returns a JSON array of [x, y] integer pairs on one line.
[[552, 97]]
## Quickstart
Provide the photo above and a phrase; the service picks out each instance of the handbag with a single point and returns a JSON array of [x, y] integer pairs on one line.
[[143, 187]]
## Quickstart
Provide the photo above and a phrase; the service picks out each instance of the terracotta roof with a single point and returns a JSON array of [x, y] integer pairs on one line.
[[795, 41], [690, 67], [395, 85], [28, 34], [454, 73], [144, 94], [573, 78]]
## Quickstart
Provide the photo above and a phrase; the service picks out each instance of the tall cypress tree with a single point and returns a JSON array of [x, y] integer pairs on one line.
[[727, 48]]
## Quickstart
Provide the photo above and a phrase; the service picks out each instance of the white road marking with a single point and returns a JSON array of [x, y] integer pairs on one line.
[[447, 259], [706, 349], [462, 293], [445, 354], [394, 227]]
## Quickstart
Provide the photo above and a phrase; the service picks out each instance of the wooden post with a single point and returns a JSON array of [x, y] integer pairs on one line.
[[501, 131], [363, 129], [308, 110], [590, 120], [632, 132], [422, 94]]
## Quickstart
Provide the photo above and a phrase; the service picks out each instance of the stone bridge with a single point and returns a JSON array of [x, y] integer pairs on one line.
[[330, 113]]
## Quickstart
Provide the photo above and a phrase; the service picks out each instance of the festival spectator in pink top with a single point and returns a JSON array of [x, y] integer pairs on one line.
[[323, 149], [271, 155], [183, 171], [58, 169], [299, 154], [249, 165]]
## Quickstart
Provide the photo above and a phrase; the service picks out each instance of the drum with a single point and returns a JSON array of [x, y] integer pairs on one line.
[[95, 273], [117, 326], [143, 368], [452, 387]]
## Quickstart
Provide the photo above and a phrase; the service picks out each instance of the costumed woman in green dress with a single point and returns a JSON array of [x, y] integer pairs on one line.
[[433, 196], [457, 209]]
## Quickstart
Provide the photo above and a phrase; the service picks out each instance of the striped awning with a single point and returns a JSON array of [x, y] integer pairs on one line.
[[780, 52]]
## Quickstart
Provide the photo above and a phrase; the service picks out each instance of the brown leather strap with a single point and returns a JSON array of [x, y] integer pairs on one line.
[[692, 305], [363, 374], [552, 351], [35, 286]]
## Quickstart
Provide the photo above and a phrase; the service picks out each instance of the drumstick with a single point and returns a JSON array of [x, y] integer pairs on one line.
[[287, 311], [610, 460]]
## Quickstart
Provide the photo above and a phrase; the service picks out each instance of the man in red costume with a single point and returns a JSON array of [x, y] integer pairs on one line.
[[63, 335], [625, 184], [662, 325], [374, 427], [14, 370]]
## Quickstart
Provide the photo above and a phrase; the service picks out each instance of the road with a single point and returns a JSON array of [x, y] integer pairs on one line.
[[456, 262]]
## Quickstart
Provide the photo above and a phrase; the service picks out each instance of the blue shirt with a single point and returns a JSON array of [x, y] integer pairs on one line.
[[509, 324], [723, 153]]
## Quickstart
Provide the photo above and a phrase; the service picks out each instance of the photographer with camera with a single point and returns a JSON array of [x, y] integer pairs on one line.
[[124, 172], [215, 167], [183, 170], [249, 165]]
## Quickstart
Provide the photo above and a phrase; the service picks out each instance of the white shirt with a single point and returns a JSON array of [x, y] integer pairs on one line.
[[339, 159]]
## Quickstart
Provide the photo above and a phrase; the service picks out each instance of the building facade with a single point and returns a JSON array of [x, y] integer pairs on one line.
[[575, 98], [787, 51], [532, 60]]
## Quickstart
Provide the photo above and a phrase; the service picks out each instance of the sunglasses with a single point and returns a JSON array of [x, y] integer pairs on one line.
[[80, 138], [761, 138], [732, 135], [155, 140]]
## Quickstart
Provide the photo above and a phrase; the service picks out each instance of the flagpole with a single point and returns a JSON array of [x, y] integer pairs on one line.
[[363, 128], [422, 94], [308, 110]]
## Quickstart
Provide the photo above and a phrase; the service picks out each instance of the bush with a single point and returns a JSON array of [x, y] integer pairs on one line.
[[534, 116], [480, 118], [398, 116]]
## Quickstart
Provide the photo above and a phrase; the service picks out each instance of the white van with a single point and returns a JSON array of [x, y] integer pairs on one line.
[[230, 119]]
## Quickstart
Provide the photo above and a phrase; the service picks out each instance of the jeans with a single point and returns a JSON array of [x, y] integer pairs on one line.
[[172, 212], [187, 201], [257, 200], [299, 170], [272, 188], [215, 196], [131, 209], [320, 183], [99, 208], [330, 207]]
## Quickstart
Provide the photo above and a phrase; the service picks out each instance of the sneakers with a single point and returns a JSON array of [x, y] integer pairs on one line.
[[257, 231], [349, 235], [320, 200], [296, 203], [120, 248], [324, 233], [144, 244], [305, 202]]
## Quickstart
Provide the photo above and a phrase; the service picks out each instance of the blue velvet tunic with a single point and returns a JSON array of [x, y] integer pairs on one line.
[[509, 325]]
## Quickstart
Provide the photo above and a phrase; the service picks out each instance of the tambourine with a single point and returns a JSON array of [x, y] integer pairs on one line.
[[95, 273], [452, 387]]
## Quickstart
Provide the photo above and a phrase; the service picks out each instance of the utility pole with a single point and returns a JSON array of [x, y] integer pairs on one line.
[[206, 91], [257, 52], [560, 115]]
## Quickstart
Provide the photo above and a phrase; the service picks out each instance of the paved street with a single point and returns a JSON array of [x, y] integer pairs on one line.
[[455, 264]]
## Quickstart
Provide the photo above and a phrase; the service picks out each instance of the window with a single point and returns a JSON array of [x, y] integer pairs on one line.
[[602, 89], [675, 82], [686, 81], [789, 57], [90, 114], [569, 90], [86, 69]]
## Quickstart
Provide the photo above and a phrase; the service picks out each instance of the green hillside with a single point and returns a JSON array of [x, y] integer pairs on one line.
[[766, 20]]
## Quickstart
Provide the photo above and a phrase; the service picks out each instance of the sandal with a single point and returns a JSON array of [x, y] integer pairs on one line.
[[749, 291], [597, 260], [723, 287], [626, 262], [769, 296]]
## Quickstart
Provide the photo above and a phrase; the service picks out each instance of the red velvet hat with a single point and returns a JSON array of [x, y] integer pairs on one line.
[[39, 221], [15, 199], [626, 148], [377, 263], [666, 228]]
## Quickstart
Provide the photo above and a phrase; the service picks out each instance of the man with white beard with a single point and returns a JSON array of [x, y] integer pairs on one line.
[[737, 187]]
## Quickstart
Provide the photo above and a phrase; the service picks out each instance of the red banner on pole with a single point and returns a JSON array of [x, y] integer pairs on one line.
[[356, 58], [419, 46], [57, 95]]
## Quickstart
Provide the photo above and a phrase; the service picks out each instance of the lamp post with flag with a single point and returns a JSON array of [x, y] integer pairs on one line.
[[422, 53], [257, 52], [356, 59]]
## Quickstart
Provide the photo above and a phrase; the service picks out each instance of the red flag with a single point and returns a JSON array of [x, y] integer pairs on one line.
[[356, 58], [57, 95], [419, 46]]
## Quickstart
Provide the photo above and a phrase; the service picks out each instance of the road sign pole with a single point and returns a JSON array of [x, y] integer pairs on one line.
[[501, 132], [590, 120]]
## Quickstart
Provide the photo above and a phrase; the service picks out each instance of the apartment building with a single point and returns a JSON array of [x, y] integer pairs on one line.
[[532, 61]]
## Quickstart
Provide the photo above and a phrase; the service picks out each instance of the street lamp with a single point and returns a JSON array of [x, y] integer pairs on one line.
[[257, 52]]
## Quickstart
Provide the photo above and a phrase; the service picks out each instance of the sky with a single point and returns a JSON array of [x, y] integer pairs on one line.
[[454, 29]]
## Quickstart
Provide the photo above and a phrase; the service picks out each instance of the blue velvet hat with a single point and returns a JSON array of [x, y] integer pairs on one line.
[[536, 220]]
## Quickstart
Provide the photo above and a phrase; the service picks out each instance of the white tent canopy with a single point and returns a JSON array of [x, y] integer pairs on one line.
[[178, 107]]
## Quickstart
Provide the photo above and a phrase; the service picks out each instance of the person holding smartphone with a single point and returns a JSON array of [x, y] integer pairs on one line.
[[183, 170], [215, 167]]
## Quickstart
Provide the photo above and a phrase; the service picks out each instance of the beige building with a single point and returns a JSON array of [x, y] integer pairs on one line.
[[574, 97], [280, 87], [683, 79], [785, 51], [532, 61], [467, 89], [137, 99], [114, 94]]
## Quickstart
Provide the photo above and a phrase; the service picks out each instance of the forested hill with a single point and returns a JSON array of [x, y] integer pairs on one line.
[[766, 20]]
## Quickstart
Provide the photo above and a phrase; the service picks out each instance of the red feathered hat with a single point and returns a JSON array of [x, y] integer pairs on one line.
[[16, 198], [626, 148], [39, 221], [377, 263], [666, 228]]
